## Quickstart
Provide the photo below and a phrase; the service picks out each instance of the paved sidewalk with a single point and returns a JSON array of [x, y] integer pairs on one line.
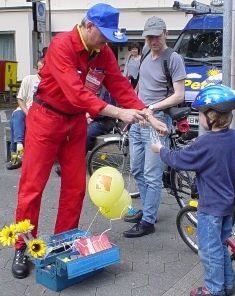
[[158, 264]]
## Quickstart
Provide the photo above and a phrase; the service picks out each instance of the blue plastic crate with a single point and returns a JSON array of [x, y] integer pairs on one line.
[[57, 275]]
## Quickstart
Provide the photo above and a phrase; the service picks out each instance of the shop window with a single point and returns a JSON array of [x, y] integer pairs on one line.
[[7, 46]]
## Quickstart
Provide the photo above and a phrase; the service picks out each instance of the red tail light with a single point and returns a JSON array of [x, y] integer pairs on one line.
[[183, 125]]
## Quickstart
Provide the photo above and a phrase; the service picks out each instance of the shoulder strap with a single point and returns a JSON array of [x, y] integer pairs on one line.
[[165, 61], [145, 52], [129, 59]]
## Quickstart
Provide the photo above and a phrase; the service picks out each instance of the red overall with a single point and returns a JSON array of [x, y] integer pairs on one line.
[[61, 133]]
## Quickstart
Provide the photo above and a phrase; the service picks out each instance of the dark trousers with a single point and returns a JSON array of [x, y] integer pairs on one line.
[[97, 128]]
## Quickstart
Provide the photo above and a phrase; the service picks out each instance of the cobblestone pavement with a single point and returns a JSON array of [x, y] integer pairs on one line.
[[159, 264]]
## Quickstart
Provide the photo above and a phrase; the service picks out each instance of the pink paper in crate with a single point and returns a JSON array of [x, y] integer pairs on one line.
[[91, 245]]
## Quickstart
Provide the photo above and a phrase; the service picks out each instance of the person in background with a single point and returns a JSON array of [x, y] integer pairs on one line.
[[17, 123], [44, 51], [212, 157], [102, 124], [77, 63], [132, 65], [146, 168]]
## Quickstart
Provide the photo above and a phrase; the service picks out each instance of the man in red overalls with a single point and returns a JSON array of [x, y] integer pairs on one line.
[[56, 125]]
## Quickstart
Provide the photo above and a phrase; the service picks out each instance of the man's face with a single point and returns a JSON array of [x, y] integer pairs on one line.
[[95, 39], [156, 43]]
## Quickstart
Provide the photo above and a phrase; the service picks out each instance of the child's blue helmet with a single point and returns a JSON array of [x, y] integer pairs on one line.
[[217, 97]]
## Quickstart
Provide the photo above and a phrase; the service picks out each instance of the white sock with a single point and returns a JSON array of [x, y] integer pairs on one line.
[[19, 147]]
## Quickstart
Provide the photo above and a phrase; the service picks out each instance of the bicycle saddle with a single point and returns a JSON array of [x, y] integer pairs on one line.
[[179, 112]]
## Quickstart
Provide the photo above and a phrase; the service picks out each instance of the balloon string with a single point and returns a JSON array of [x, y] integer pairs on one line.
[[110, 228], [110, 222], [91, 223], [129, 183]]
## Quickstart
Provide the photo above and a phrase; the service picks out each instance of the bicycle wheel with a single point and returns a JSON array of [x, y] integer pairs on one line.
[[186, 222], [183, 186], [111, 154]]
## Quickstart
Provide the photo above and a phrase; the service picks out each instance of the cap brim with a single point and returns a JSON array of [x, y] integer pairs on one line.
[[152, 33], [113, 35]]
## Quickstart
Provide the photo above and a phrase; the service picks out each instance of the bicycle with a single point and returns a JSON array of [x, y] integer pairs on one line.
[[115, 152], [186, 222]]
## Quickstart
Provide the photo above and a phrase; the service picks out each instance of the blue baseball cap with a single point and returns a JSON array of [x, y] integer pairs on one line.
[[105, 17]]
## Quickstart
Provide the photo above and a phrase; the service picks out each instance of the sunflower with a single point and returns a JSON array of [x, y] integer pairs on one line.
[[24, 226], [36, 248], [8, 235]]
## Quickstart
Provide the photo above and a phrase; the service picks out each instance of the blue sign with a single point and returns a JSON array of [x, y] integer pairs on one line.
[[200, 76]]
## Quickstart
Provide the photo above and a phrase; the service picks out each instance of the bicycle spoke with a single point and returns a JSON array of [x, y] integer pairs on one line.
[[187, 226], [183, 183]]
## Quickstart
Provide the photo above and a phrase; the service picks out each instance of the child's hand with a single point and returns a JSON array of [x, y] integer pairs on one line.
[[162, 129], [156, 147]]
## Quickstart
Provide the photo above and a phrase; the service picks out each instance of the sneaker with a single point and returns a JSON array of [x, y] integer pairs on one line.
[[20, 265], [202, 291], [14, 163]]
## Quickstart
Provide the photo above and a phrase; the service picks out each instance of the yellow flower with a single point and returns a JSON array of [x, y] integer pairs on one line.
[[24, 226], [36, 248], [66, 259], [8, 235]]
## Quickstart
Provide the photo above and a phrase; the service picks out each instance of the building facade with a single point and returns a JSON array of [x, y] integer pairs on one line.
[[20, 42]]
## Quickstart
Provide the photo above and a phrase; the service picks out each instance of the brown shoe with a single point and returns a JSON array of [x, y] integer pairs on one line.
[[134, 218]]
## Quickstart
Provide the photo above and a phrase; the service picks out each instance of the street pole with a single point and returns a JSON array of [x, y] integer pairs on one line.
[[49, 17], [228, 51], [233, 57], [227, 42]]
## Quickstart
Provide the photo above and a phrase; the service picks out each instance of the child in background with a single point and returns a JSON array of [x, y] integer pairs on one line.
[[212, 157]]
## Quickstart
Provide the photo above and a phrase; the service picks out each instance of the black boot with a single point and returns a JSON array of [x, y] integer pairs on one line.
[[20, 265], [139, 230]]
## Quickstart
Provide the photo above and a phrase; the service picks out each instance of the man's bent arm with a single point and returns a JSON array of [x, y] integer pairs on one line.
[[176, 98]]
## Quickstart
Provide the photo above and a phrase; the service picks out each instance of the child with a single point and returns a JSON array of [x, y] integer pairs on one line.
[[212, 156]]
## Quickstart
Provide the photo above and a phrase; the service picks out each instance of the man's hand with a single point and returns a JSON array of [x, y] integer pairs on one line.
[[88, 118], [156, 147], [126, 115], [131, 115]]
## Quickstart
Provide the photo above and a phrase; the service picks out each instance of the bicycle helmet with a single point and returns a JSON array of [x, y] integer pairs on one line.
[[217, 97]]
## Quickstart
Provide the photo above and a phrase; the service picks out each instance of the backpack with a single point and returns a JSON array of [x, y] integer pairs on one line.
[[165, 62]]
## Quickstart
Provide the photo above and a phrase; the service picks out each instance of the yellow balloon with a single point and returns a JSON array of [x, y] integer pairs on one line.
[[105, 186], [119, 209]]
